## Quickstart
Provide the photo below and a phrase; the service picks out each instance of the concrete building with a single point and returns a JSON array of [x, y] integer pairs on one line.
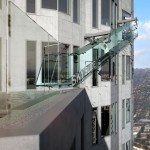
[[73, 59]]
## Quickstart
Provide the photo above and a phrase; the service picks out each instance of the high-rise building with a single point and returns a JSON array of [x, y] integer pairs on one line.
[[66, 73]]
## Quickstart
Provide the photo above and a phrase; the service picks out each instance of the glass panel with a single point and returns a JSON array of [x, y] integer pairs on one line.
[[95, 74], [64, 6], [123, 147], [76, 60], [64, 65], [49, 4], [95, 13], [0, 64], [123, 113], [31, 6], [31, 64], [114, 118], [105, 12], [106, 71], [128, 145], [112, 14], [50, 63], [25, 60], [105, 123], [128, 67], [0, 4], [94, 127], [123, 69], [127, 110], [76, 11]]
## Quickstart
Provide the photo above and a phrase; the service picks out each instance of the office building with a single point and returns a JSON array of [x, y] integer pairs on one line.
[[66, 73]]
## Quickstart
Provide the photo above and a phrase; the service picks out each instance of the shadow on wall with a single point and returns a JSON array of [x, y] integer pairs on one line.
[[73, 128]]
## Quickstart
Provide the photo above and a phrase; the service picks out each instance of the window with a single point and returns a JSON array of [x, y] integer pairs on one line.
[[128, 145], [128, 67], [76, 11], [64, 6], [105, 12], [128, 110], [0, 64], [75, 61], [114, 69], [31, 64], [95, 77], [123, 69], [0, 4], [123, 146], [114, 118], [31, 6], [113, 14], [105, 123], [123, 114], [95, 13], [106, 71], [94, 127], [49, 4]]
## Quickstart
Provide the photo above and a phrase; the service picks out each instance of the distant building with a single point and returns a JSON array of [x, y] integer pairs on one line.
[[136, 131], [80, 51]]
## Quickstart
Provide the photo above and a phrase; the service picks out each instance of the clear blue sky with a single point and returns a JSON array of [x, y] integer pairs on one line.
[[142, 43]]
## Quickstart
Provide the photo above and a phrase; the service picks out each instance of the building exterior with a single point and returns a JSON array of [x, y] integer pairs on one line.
[[61, 44]]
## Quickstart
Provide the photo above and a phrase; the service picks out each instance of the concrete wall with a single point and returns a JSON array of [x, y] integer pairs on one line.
[[125, 92], [62, 28], [3, 48]]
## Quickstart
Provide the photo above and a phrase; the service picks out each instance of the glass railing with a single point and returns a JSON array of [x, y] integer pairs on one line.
[[36, 61], [119, 39], [59, 67], [55, 68], [23, 58]]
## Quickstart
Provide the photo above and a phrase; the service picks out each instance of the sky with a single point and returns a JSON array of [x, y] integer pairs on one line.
[[142, 43]]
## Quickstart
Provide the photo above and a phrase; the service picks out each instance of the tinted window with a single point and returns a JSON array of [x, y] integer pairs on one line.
[[76, 11], [105, 12], [0, 63], [50, 4], [64, 6], [128, 67], [0, 4], [95, 13], [105, 123], [31, 6], [31, 64]]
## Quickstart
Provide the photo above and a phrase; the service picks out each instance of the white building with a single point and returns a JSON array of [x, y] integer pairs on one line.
[[63, 44]]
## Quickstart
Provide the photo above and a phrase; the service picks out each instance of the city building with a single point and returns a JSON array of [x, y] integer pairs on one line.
[[66, 71]]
